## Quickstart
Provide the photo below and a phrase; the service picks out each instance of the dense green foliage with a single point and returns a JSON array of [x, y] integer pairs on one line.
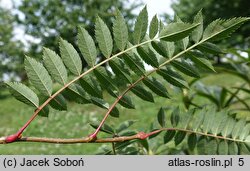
[[174, 50], [213, 9]]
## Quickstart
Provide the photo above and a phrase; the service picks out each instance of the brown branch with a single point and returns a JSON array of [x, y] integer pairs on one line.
[[74, 140], [140, 135]]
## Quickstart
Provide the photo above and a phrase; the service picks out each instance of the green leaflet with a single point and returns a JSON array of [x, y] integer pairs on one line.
[[221, 120], [184, 42], [44, 112], [220, 29], [156, 87], [192, 141], [23, 93], [223, 148], [247, 141], [209, 48], [153, 27], [211, 147], [38, 76], [115, 113], [173, 78], [91, 86], [76, 93], [161, 117], [161, 25], [228, 127], [100, 102], [104, 78], [141, 26], [201, 145], [70, 57], [55, 66], [165, 49], [233, 148], [245, 132], [126, 102], [118, 69], [185, 119], [59, 103], [186, 68], [209, 119], [142, 93], [134, 63], [144, 143], [120, 31], [176, 31], [200, 60], [198, 31], [198, 119], [103, 37], [87, 46], [175, 117], [148, 56], [179, 137], [238, 128], [124, 145], [103, 104], [243, 149], [169, 135], [113, 92], [158, 47]]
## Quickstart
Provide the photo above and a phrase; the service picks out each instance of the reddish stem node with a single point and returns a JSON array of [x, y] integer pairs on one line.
[[13, 138], [142, 135], [92, 137]]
